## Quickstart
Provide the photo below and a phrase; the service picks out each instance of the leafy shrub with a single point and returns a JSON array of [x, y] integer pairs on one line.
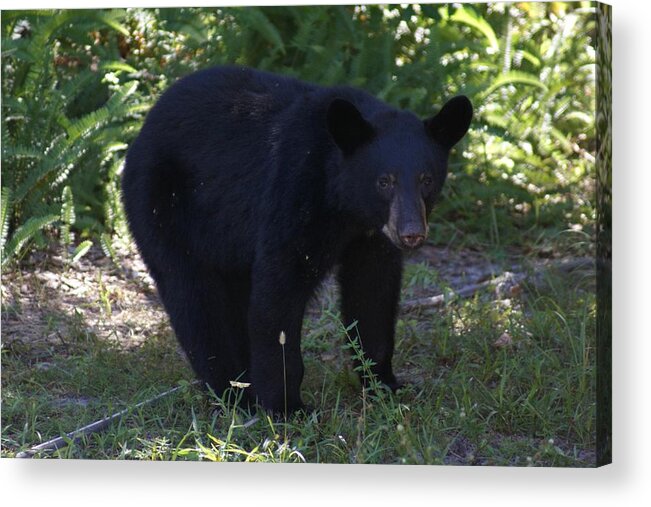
[[63, 124], [76, 85]]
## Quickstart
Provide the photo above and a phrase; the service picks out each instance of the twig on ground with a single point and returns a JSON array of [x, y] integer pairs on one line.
[[506, 280], [506, 283], [63, 441]]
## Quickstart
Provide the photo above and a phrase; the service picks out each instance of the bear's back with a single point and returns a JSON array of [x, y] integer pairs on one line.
[[200, 164]]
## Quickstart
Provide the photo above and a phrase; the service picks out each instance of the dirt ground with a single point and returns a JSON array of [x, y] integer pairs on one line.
[[119, 302]]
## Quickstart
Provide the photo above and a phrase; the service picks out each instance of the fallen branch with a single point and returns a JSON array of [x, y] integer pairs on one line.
[[503, 282], [63, 441], [507, 283]]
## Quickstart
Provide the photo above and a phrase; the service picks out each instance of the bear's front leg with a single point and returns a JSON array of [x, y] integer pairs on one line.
[[369, 277], [276, 369]]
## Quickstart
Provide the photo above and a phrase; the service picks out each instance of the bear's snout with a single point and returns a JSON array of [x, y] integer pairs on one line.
[[412, 234], [412, 240]]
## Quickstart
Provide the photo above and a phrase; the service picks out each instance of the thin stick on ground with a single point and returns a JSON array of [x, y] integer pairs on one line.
[[97, 426], [504, 283], [430, 302]]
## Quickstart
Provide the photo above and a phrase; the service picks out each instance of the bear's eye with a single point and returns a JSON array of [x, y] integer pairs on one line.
[[426, 180], [384, 182]]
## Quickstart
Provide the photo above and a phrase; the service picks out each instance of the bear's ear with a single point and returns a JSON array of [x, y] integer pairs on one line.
[[347, 126], [451, 123]]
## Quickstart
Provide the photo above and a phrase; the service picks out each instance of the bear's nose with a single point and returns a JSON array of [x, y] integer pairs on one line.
[[412, 240]]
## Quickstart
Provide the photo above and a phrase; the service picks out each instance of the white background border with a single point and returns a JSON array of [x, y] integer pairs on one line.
[[124, 483]]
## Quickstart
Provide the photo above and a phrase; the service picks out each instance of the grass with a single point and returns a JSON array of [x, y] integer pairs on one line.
[[529, 401]]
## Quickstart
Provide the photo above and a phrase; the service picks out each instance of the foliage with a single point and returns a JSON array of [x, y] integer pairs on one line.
[[529, 166], [64, 121], [76, 84]]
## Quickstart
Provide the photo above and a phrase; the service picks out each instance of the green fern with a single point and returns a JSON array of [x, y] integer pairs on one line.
[[468, 16], [67, 216], [81, 250], [66, 150], [93, 121], [513, 77], [106, 242], [4, 217], [53, 145], [23, 235]]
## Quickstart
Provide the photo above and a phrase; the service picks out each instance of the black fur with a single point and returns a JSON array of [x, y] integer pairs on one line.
[[245, 188]]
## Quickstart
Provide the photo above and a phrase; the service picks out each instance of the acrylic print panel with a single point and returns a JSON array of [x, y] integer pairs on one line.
[[292, 246]]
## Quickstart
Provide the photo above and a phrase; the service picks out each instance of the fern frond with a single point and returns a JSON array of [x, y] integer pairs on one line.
[[67, 215], [117, 65], [514, 77], [112, 19], [60, 155], [256, 20], [14, 151], [106, 242], [96, 119], [5, 205], [23, 234], [81, 250], [468, 17], [65, 151]]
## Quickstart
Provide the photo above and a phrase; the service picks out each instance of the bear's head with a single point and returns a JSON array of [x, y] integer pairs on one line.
[[393, 165]]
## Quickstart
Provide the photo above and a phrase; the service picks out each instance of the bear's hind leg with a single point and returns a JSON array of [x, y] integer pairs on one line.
[[209, 324]]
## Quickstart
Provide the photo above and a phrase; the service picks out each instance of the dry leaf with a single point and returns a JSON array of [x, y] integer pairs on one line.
[[239, 385], [503, 341]]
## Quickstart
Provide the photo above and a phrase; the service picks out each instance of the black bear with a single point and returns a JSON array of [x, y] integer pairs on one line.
[[245, 188]]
